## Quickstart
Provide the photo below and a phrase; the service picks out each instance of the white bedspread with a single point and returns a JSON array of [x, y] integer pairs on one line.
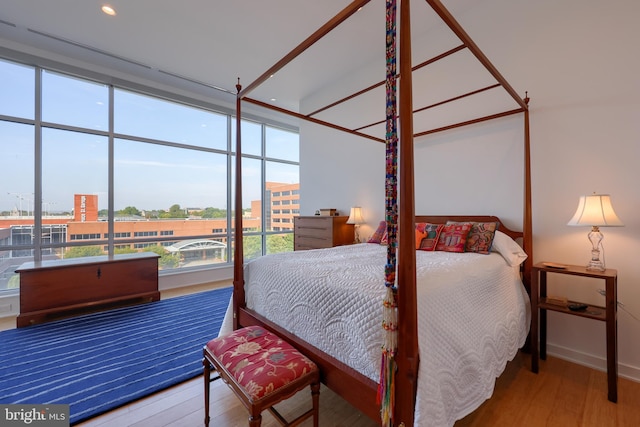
[[473, 315]]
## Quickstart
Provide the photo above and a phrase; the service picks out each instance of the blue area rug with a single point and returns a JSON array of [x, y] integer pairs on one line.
[[100, 361]]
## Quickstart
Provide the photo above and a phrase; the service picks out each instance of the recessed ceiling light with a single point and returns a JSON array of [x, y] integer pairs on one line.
[[109, 10], [273, 99]]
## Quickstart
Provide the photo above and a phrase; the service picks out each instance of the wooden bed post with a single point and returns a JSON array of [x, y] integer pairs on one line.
[[407, 357], [238, 264], [527, 229]]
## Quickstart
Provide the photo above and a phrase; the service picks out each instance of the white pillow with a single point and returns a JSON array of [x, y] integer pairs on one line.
[[508, 248]]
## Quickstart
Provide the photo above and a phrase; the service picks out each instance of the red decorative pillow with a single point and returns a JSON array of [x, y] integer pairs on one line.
[[379, 233], [453, 237], [427, 235]]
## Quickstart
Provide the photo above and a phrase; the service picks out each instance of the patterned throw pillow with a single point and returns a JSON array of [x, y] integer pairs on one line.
[[420, 234], [480, 237], [427, 235], [380, 231], [453, 237], [385, 238]]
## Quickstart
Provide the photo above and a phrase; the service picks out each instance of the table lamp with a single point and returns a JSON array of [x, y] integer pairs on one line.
[[595, 211], [355, 218]]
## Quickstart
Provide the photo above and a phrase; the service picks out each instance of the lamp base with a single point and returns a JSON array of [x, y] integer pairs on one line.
[[595, 237], [596, 265]]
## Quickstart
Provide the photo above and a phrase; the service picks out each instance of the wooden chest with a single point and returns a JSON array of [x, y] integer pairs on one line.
[[61, 288]]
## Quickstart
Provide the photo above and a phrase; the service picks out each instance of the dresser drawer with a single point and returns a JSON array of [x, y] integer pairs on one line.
[[317, 232], [306, 242], [314, 233], [314, 222]]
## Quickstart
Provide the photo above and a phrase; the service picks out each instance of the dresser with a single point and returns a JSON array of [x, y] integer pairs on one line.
[[51, 290], [316, 232]]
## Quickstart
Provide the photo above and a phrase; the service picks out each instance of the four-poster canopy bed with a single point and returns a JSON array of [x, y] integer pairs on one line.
[[358, 388]]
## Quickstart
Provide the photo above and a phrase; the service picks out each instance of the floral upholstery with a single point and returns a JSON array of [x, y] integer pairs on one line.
[[260, 361]]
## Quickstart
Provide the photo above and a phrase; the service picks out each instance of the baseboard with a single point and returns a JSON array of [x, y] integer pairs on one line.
[[600, 363], [178, 279], [9, 305]]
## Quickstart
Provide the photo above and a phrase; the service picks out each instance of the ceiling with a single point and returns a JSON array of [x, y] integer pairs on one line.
[[206, 45]]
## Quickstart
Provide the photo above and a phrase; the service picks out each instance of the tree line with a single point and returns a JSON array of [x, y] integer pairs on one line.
[[175, 211]]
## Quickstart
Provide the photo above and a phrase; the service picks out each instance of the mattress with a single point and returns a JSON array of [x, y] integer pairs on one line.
[[473, 316]]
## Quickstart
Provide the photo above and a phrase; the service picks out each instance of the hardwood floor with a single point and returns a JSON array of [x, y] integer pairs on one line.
[[562, 394]]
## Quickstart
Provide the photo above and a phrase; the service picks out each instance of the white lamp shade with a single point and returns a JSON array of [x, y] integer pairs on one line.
[[595, 210], [355, 216]]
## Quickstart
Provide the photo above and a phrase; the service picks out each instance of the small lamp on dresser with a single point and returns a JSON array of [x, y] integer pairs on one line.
[[595, 211], [355, 218]]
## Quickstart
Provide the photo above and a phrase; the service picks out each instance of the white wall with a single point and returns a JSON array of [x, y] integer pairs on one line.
[[339, 171], [578, 60]]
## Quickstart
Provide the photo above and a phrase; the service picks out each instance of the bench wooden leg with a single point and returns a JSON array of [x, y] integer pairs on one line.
[[255, 420], [315, 397], [207, 381]]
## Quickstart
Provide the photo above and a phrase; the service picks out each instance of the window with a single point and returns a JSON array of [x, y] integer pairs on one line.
[[149, 117], [74, 102], [74, 163], [90, 236], [145, 233], [171, 164], [17, 90], [282, 144]]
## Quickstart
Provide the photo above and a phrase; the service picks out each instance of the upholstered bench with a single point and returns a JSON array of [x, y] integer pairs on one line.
[[262, 370]]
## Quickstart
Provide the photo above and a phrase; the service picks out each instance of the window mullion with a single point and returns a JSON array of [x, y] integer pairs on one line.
[[37, 195], [111, 177]]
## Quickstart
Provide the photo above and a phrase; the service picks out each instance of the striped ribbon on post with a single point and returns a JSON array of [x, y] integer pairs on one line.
[[386, 390]]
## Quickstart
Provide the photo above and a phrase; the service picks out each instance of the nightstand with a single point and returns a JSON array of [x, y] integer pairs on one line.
[[607, 314]]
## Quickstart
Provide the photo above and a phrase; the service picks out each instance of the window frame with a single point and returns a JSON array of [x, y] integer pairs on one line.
[[112, 242]]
